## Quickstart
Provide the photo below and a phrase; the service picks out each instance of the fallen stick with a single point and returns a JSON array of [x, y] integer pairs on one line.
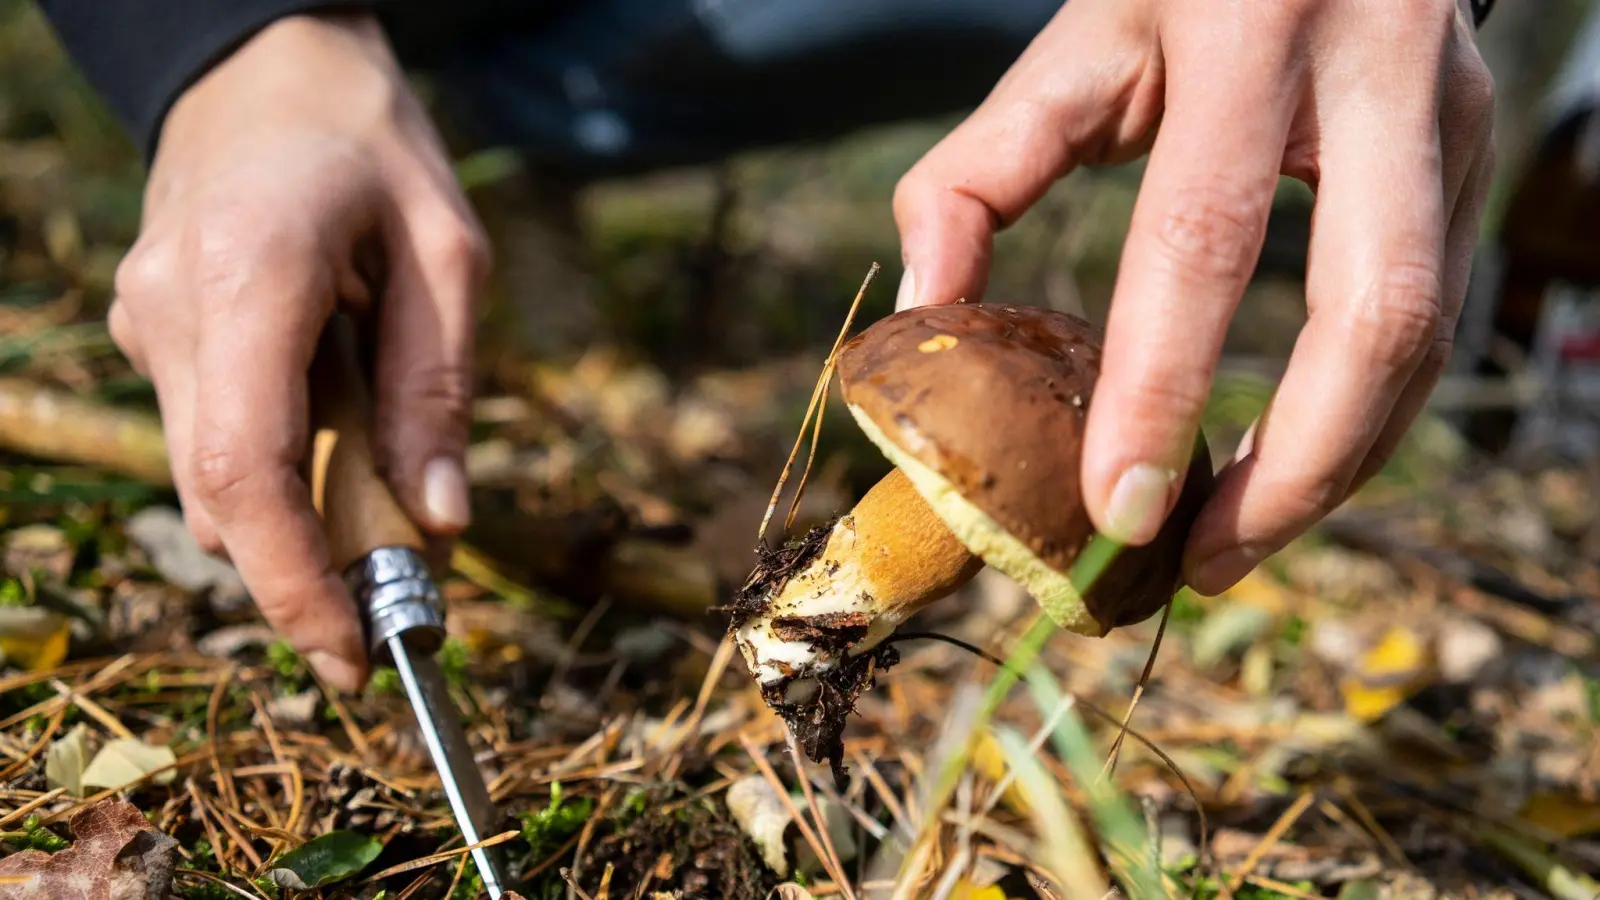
[[52, 424]]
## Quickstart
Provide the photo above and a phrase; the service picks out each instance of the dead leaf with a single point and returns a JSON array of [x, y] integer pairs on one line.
[[1562, 815], [161, 534], [33, 637], [761, 814], [790, 891], [123, 761], [990, 761], [965, 890], [65, 760], [1226, 630], [116, 855], [1385, 675]]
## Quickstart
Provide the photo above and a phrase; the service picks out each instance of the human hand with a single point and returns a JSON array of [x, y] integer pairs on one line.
[[299, 175], [1384, 109]]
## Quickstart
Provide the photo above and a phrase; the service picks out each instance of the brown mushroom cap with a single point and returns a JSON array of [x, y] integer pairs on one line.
[[984, 406]]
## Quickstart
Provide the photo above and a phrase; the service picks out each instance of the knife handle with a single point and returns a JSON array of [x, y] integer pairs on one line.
[[371, 539]]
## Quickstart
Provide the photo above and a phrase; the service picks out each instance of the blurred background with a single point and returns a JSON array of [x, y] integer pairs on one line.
[[647, 353]]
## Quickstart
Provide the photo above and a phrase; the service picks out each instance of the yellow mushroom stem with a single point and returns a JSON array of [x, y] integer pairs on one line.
[[887, 558]]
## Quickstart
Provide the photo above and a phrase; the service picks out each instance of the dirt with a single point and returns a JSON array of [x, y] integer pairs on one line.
[[673, 843], [819, 721], [774, 568]]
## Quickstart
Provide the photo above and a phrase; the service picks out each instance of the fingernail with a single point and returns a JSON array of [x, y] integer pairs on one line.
[[1138, 504], [444, 493], [339, 673], [907, 295], [1247, 443], [1224, 570]]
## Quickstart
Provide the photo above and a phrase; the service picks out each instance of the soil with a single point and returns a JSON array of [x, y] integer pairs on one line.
[[774, 568], [673, 843]]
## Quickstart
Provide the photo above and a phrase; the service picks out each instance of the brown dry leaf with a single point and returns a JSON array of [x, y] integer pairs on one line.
[[116, 855]]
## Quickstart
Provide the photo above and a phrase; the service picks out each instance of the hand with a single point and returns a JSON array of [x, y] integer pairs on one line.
[[1384, 109], [297, 175]]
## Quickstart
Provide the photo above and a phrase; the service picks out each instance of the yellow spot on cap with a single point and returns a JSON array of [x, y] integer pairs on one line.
[[938, 342]]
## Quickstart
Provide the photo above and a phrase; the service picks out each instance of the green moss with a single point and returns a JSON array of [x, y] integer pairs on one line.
[[547, 829]]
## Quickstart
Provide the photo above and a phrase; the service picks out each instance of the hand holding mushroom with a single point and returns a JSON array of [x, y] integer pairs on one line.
[[981, 408]]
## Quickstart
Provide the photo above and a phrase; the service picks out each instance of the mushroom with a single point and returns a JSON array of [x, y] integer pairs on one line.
[[981, 409]]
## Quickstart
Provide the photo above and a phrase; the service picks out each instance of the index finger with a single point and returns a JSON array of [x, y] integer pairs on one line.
[[251, 433], [1196, 233]]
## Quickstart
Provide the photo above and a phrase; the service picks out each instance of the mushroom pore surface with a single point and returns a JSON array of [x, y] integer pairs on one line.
[[983, 406]]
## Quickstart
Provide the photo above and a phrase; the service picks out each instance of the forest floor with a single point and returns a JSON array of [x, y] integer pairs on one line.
[[1405, 703]]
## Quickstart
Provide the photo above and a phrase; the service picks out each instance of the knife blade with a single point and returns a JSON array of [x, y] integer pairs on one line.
[[380, 552]]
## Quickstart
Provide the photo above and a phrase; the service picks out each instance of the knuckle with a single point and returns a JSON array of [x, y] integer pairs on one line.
[[459, 249], [143, 272], [220, 472], [1404, 313], [1212, 232], [1314, 496]]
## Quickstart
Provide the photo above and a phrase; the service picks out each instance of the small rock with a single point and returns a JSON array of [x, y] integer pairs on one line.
[[231, 640], [1177, 840], [644, 644], [41, 548], [1336, 643], [1337, 573], [293, 710], [160, 533], [1466, 648]]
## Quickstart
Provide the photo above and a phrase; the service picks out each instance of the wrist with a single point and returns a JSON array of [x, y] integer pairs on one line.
[[327, 52]]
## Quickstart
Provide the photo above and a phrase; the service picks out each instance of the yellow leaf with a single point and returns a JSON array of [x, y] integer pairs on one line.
[[990, 762], [965, 891], [1260, 590], [1562, 815], [1385, 675], [35, 639]]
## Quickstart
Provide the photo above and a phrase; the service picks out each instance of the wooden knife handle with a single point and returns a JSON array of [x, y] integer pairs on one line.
[[359, 512]]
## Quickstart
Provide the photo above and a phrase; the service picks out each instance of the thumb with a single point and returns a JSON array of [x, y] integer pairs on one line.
[[1058, 107], [438, 259]]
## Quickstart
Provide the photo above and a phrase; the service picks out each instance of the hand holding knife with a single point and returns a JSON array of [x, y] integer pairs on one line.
[[380, 552]]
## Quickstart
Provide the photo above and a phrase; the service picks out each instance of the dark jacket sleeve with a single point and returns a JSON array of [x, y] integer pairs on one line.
[[139, 55]]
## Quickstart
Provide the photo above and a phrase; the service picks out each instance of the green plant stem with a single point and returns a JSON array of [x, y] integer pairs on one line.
[[1088, 568], [1560, 881]]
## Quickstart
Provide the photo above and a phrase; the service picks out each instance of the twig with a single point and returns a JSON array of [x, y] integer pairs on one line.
[[1272, 837], [817, 394], [1138, 692], [436, 858], [760, 760], [835, 864]]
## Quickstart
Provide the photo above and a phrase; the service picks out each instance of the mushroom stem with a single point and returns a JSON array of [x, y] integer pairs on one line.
[[887, 558]]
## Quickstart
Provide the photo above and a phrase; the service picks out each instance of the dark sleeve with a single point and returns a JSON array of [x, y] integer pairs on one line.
[[139, 55]]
